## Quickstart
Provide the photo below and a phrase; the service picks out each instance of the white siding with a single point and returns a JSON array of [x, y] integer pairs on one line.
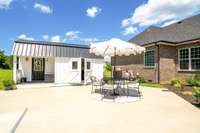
[[64, 73], [97, 68], [61, 67], [25, 67], [15, 69], [49, 66]]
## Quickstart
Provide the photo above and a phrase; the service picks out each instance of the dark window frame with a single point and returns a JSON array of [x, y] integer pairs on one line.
[[193, 58], [88, 63], [74, 65], [149, 62]]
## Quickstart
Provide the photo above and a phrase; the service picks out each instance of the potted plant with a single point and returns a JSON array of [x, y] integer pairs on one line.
[[8, 85]]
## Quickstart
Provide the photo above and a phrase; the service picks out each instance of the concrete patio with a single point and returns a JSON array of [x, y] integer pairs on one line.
[[71, 109]]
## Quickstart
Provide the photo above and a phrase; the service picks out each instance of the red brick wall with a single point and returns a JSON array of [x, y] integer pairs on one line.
[[167, 63]]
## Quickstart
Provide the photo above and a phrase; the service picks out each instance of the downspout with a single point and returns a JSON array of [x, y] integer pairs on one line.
[[158, 61]]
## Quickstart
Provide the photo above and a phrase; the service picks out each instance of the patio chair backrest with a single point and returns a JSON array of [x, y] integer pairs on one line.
[[93, 78], [133, 84]]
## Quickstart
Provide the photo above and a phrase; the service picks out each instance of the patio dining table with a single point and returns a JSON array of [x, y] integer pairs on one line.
[[117, 84]]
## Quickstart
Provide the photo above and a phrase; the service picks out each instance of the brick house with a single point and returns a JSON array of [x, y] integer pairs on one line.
[[171, 51]]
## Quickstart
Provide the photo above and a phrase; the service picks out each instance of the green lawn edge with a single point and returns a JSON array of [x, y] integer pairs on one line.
[[152, 85]]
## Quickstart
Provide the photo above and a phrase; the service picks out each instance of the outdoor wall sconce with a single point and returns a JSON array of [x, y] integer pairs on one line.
[[27, 58]]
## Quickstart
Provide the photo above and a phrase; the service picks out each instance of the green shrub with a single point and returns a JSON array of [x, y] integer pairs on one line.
[[194, 81], [197, 92], [107, 74], [1, 87], [7, 83], [141, 80], [177, 82], [108, 66], [197, 76]]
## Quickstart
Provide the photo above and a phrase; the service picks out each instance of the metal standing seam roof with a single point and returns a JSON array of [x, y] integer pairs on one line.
[[50, 49], [185, 30]]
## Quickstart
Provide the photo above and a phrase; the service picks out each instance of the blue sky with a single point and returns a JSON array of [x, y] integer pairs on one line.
[[86, 21]]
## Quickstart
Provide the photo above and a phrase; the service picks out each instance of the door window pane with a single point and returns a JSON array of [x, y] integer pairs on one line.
[[74, 65], [88, 65]]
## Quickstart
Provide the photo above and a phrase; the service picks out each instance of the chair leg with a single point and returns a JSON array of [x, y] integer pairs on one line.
[[114, 94], [139, 92], [92, 89]]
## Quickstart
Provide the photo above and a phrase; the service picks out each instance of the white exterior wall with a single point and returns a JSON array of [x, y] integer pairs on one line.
[[97, 68], [15, 69], [64, 73], [61, 68], [25, 68], [49, 65]]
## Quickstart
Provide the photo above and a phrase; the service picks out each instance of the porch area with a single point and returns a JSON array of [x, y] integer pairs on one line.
[[30, 69], [73, 109]]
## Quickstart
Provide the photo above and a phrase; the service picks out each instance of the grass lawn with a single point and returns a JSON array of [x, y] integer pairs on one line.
[[5, 74], [152, 85]]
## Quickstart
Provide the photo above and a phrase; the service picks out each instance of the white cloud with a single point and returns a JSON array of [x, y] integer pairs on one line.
[[169, 22], [129, 30], [90, 40], [45, 37], [55, 38], [25, 37], [71, 35], [43, 8], [93, 11], [160, 11], [5, 3]]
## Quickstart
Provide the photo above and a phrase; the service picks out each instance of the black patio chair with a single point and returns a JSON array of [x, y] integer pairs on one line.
[[133, 86], [96, 84], [108, 91]]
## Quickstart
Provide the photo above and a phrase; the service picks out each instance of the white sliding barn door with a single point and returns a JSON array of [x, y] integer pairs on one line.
[[64, 73], [88, 70]]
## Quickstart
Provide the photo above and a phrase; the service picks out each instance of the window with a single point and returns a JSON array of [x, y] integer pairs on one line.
[[189, 58], [88, 64], [184, 58], [149, 58], [74, 65], [195, 58]]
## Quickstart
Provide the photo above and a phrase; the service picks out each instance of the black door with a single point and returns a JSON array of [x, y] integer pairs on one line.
[[38, 66], [82, 69]]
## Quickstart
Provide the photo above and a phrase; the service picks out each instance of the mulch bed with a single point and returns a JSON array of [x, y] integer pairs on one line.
[[186, 93]]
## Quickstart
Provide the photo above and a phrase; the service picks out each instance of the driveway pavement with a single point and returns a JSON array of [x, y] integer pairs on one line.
[[71, 109]]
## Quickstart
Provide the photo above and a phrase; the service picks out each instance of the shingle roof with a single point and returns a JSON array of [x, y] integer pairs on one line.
[[181, 31]]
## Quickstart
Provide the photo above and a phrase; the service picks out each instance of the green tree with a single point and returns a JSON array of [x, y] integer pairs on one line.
[[5, 61], [108, 66], [2, 58]]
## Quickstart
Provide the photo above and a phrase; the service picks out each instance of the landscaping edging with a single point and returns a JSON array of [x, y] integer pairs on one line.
[[186, 93]]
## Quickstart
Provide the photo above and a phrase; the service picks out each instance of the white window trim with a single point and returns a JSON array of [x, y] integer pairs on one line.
[[144, 59], [190, 60]]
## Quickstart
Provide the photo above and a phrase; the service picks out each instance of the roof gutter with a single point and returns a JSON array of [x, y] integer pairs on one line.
[[162, 42]]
